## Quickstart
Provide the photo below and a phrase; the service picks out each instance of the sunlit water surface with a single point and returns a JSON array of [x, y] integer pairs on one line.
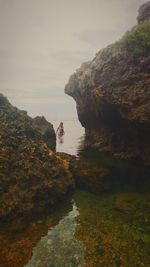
[[74, 134]]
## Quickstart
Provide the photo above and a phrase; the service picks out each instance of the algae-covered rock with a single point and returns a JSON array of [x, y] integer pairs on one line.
[[32, 177]]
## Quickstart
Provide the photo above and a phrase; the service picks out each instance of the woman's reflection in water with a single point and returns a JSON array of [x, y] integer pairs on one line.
[[60, 133], [61, 138]]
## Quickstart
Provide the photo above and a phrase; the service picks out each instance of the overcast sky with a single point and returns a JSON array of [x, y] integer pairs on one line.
[[44, 41]]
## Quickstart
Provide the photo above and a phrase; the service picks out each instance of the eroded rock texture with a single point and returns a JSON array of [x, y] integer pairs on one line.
[[112, 93], [32, 177]]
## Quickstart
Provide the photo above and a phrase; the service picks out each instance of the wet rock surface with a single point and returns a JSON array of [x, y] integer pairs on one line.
[[32, 177], [113, 97]]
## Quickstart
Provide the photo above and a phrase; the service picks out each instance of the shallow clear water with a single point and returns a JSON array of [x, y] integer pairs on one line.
[[96, 231], [88, 229], [60, 247]]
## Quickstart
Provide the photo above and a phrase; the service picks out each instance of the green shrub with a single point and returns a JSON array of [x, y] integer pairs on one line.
[[138, 38]]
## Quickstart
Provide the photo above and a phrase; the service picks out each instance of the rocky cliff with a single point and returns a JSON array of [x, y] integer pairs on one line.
[[112, 93], [32, 177]]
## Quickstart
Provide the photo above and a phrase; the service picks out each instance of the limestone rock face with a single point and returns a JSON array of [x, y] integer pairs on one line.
[[32, 177], [112, 93], [144, 12]]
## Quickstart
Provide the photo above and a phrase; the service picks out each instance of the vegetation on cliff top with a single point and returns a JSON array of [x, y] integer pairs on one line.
[[137, 40]]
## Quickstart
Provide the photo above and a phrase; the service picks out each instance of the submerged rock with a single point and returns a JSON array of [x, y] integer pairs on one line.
[[132, 202], [32, 177], [113, 97]]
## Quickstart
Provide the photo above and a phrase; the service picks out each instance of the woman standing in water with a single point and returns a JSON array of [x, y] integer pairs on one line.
[[60, 132], [60, 129]]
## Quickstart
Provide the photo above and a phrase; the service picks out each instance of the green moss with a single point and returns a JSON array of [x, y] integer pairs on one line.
[[145, 238], [138, 38], [141, 236]]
